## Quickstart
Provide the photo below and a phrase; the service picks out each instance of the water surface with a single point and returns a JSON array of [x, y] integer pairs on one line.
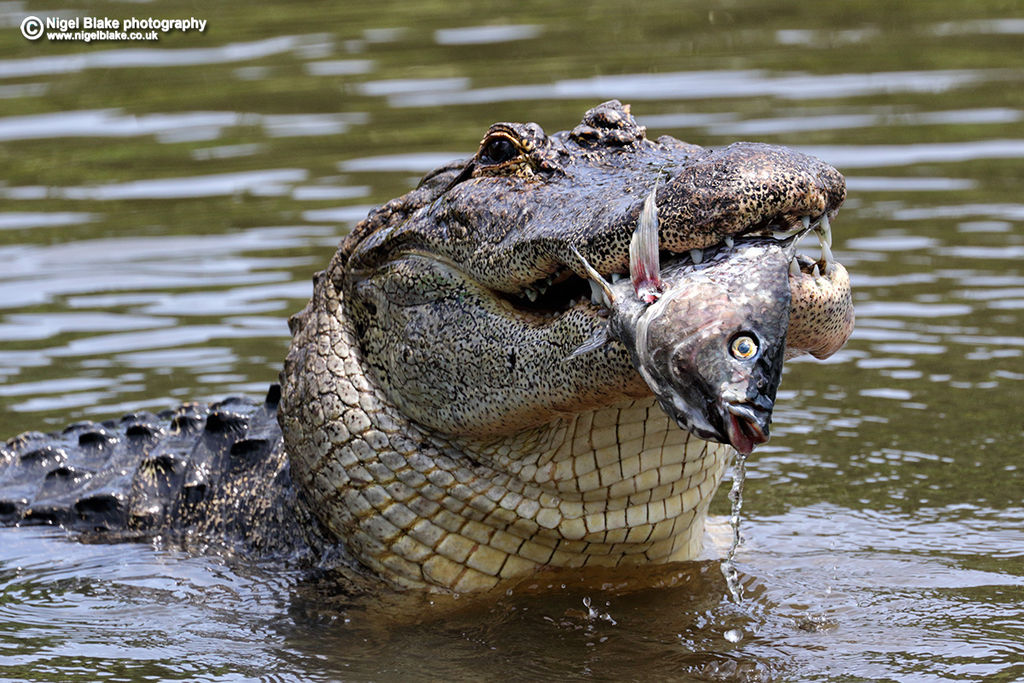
[[163, 206]]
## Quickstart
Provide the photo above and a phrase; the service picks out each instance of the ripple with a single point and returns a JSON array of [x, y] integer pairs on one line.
[[889, 184], [15, 220], [797, 124], [401, 86], [28, 326], [339, 67], [414, 163], [228, 151], [184, 358], [36, 275], [54, 386], [341, 214], [329, 192], [149, 57], [1004, 211], [909, 309], [890, 242], [886, 392], [1006, 26], [116, 604], [1013, 251], [990, 294], [109, 123], [911, 349], [187, 251], [294, 125], [813, 38], [480, 35], [690, 85], [265, 182], [234, 302], [869, 332], [985, 226], [168, 128], [881, 363], [877, 156]]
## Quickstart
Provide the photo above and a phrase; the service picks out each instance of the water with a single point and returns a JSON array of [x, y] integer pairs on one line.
[[729, 570], [163, 207]]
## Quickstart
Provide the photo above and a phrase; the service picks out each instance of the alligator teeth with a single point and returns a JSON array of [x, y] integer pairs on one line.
[[806, 220], [531, 294], [615, 277], [595, 278], [697, 255], [794, 268], [815, 272], [826, 254], [825, 229], [729, 241], [596, 293]]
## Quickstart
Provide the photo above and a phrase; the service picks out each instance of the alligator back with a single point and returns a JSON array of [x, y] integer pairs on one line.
[[208, 473]]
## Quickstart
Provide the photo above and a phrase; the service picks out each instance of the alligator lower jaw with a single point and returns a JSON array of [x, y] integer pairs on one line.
[[822, 316], [565, 290]]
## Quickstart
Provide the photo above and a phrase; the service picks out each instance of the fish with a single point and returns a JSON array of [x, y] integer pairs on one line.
[[707, 334]]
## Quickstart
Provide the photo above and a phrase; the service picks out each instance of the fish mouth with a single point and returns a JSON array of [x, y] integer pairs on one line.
[[746, 426]]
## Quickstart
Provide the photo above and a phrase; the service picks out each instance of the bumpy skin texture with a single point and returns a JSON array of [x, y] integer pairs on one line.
[[821, 317], [449, 457], [213, 474], [432, 422]]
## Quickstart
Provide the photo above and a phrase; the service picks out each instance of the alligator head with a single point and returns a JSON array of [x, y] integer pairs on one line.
[[434, 414]]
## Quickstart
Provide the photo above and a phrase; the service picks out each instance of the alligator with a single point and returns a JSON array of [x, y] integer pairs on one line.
[[432, 427]]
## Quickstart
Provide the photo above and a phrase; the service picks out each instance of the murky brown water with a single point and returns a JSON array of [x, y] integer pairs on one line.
[[163, 206]]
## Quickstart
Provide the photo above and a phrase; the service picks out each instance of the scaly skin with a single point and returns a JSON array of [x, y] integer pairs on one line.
[[430, 418], [448, 457]]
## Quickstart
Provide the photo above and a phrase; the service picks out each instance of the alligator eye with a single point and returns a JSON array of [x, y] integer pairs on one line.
[[743, 347], [498, 150]]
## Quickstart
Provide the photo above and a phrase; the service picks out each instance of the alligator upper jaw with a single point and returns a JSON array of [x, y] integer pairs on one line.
[[568, 286]]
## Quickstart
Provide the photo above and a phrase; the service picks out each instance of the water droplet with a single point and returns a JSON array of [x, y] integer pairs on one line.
[[734, 635], [732, 576]]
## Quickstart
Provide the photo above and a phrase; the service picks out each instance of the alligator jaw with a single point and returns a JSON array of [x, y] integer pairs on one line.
[[568, 284], [433, 421]]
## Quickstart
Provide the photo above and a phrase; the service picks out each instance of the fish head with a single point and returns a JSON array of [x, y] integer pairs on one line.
[[712, 347]]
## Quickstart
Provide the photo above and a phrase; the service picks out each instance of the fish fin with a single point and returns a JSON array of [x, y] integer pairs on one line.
[[595, 277], [644, 262], [598, 338]]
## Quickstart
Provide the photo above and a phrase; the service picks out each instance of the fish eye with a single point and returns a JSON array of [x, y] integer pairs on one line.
[[497, 150], [743, 346]]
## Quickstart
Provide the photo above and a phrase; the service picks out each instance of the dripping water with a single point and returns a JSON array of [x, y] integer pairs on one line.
[[739, 472]]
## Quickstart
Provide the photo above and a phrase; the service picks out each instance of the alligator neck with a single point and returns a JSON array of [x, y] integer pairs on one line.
[[614, 486]]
